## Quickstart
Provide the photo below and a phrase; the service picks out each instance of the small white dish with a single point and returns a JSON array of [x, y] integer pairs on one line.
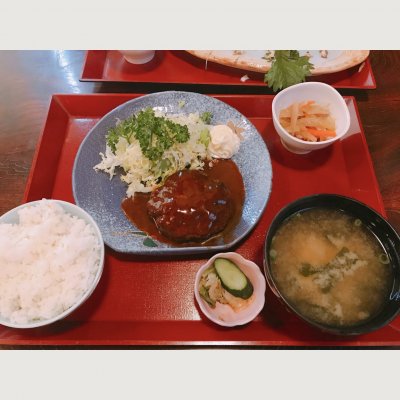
[[12, 217], [320, 93], [138, 56], [223, 314]]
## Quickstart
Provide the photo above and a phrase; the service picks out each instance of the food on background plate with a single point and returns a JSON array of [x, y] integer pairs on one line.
[[323, 53], [172, 157], [308, 121], [48, 261], [330, 267], [288, 68], [283, 68], [225, 283]]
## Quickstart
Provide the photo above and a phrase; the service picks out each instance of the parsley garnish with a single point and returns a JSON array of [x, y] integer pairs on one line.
[[287, 69], [154, 134], [123, 129]]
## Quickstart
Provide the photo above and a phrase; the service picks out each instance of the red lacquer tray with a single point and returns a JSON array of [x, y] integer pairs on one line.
[[148, 301], [180, 67]]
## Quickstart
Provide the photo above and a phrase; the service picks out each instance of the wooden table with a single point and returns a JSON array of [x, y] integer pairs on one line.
[[29, 78]]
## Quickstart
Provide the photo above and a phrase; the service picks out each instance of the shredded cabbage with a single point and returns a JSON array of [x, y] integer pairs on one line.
[[144, 175]]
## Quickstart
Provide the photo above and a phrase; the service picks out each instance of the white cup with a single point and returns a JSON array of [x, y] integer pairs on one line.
[[138, 56]]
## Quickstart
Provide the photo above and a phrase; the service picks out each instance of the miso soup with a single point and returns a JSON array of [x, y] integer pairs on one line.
[[330, 267]]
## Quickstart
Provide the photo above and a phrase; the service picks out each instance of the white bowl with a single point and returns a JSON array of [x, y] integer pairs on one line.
[[12, 217], [223, 314], [138, 56], [320, 93]]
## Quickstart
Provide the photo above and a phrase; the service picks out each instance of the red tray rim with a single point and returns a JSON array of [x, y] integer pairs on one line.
[[345, 342], [367, 64]]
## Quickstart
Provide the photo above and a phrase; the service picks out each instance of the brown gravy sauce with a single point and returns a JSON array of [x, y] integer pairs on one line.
[[225, 171]]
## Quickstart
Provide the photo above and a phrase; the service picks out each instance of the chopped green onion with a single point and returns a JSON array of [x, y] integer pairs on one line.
[[383, 258], [273, 253], [357, 222]]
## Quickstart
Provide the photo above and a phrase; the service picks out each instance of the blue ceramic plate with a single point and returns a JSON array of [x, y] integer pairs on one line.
[[102, 197]]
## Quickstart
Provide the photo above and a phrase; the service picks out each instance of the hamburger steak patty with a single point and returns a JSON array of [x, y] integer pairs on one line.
[[190, 206]]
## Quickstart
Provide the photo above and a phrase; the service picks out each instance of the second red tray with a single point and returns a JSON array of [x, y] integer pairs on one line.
[[150, 301], [180, 67]]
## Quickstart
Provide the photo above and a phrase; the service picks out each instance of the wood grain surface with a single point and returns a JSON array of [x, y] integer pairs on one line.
[[29, 78]]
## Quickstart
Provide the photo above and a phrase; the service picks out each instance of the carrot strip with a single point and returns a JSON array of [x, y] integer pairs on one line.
[[319, 133]]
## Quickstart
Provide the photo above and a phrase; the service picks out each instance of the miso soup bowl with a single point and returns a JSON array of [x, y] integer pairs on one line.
[[382, 230], [321, 93]]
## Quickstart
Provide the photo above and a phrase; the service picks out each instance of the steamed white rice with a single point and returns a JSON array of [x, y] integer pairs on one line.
[[47, 262]]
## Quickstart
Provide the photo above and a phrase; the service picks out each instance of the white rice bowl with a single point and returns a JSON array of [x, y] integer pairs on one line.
[[51, 260]]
